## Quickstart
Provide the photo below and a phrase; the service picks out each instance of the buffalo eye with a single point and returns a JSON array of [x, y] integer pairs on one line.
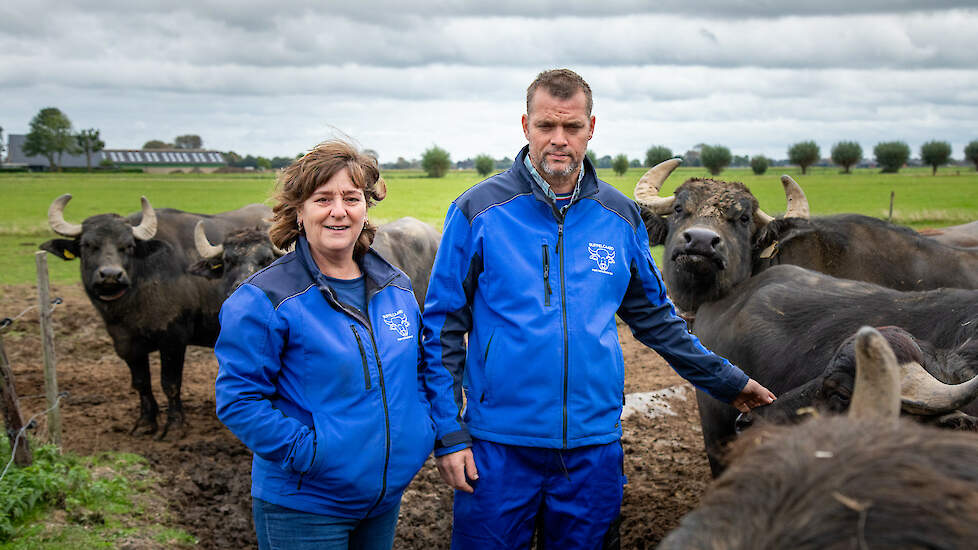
[[744, 218], [678, 208]]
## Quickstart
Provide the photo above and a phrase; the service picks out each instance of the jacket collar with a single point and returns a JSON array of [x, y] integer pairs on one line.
[[379, 273], [588, 183]]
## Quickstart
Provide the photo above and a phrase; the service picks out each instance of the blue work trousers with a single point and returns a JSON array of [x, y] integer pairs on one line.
[[280, 528], [576, 492]]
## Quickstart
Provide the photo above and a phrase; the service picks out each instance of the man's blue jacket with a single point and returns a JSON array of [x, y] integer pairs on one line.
[[329, 400], [537, 292]]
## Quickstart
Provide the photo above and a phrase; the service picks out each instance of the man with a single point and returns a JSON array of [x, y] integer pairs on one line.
[[534, 264]]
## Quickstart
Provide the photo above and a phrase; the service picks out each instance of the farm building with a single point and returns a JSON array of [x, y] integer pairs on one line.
[[149, 160]]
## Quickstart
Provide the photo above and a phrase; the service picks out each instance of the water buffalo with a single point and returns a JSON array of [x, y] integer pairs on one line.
[[783, 326], [134, 272], [868, 480], [781, 323], [408, 243], [716, 236]]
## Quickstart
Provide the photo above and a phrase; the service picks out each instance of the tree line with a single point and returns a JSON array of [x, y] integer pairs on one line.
[[51, 135]]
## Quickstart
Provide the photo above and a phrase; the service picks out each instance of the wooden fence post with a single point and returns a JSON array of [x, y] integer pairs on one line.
[[890, 219], [47, 341], [11, 413]]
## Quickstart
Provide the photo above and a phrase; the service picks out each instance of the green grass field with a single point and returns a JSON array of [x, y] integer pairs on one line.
[[921, 200]]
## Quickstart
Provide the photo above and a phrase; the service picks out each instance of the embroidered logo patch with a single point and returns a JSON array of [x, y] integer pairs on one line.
[[603, 255], [398, 322]]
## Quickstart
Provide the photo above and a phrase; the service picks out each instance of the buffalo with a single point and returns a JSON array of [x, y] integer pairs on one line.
[[134, 272], [964, 235], [866, 480], [782, 323], [408, 243], [716, 236]]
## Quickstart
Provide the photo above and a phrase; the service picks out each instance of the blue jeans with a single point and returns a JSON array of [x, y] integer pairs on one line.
[[280, 528]]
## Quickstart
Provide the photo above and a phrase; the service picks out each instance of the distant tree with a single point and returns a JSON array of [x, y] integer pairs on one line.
[[50, 136], [484, 165], [620, 164], [759, 164], [891, 155], [635, 163], [715, 158], [846, 154], [605, 162], [593, 157], [231, 157], [657, 154], [3, 148], [971, 152], [188, 141], [88, 142], [435, 161], [264, 163], [157, 144], [280, 162], [804, 154], [740, 160], [935, 153]]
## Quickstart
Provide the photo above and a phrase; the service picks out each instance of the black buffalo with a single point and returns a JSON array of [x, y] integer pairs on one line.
[[781, 324], [134, 272], [782, 327], [868, 480], [408, 243], [716, 236]]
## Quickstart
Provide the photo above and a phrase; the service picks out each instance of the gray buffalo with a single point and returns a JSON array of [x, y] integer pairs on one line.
[[964, 235], [866, 480], [408, 243], [134, 272]]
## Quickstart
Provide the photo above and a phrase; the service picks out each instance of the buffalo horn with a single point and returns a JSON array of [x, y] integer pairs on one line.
[[925, 395], [204, 246], [56, 218], [147, 227], [647, 189], [876, 393], [380, 190], [797, 202]]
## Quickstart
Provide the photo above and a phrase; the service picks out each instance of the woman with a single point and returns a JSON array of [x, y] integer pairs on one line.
[[319, 356]]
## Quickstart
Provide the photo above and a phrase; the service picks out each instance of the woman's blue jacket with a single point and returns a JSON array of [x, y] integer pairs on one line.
[[329, 400]]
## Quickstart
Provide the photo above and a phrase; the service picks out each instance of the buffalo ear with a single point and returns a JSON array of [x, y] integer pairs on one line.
[[656, 226], [66, 249], [210, 268]]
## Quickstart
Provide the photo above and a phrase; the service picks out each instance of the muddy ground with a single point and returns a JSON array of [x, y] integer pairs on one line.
[[206, 474]]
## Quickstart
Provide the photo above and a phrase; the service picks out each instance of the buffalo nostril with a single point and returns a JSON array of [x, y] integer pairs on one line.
[[715, 241]]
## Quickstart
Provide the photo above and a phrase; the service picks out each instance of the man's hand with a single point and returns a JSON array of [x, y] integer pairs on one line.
[[753, 395], [454, 467]]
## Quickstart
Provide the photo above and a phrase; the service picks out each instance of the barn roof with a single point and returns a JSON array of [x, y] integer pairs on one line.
[[120, 157]]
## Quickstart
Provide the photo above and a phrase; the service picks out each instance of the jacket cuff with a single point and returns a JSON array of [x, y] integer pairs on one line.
[[453, 442]]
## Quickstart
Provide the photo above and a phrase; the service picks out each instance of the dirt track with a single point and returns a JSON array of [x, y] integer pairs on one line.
[[207, 473]]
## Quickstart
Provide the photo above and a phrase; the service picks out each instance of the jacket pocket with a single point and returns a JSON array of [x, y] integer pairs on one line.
[[487, 368], [547, 290], [363, 358]]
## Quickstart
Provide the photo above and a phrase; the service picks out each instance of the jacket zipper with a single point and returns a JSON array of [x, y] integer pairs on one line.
[[563, 314], [547, 291], [363, 358], [387, 422]]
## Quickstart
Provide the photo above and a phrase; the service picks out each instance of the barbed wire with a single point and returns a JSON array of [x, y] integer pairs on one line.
[[7, 321], [28, 425]]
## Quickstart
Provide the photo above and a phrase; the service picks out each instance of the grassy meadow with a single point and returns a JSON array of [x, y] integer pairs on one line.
[[921, 200]]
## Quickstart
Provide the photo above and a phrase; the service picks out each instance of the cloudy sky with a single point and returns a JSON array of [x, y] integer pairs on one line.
[[399, 76]]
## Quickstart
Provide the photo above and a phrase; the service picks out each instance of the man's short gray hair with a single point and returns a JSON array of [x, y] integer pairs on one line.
[[562, 84]]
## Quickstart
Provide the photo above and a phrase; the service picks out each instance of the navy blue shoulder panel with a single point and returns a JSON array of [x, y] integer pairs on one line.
[[495, 190], [283, 278], [617, 202]]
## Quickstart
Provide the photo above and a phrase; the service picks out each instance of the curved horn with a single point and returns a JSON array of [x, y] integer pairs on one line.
[[647, 189], [797, 201], [921, 393], [876, 393], [56, 218], [146, 228], [204, 246]]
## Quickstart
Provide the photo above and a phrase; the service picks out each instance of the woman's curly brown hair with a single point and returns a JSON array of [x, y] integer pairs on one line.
[[301, 179]]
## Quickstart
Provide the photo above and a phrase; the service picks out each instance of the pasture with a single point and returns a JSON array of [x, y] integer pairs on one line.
[[205, 476], [921, 200]]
